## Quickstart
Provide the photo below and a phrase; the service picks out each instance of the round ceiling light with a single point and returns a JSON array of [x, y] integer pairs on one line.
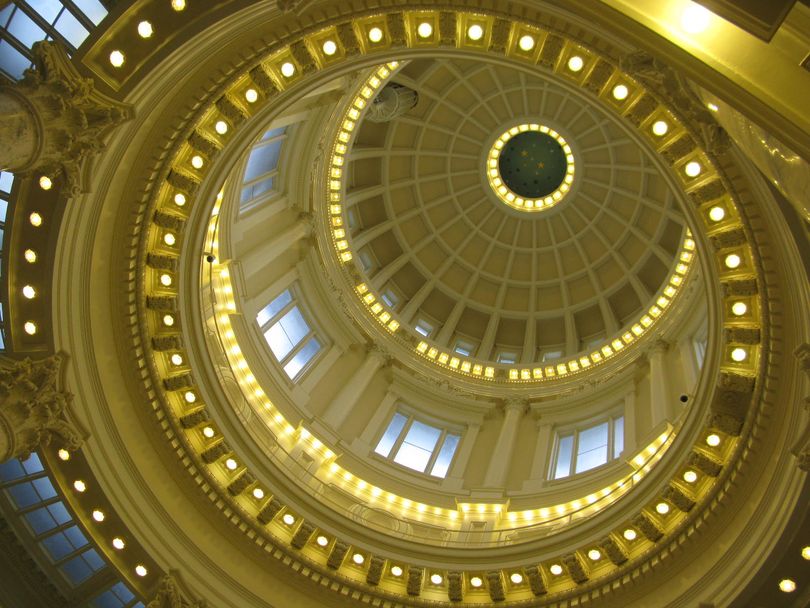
[[329, 48], [530, 167], [424, 30], [526, 43], [475, 32], [576, 63]]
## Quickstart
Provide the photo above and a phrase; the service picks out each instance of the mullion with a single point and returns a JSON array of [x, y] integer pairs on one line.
[[435, 454], [297, 348], [278, 316], [50, 28], [72, 554], [19, 46], [15, 482], [59, 528], [45, 503], [79, 14], [401, 439], [259, 178]]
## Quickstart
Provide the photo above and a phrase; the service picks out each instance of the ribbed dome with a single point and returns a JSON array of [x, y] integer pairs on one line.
[[429, 228]]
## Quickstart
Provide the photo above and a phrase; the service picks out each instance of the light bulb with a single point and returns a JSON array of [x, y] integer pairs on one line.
[[116, 59], [329, 48], [424, 30], [475, 32], [145, 29], [576, 63]]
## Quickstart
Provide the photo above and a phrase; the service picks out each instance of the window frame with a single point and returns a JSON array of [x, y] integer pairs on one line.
[[295, 301], [444, 432], [275, 173], [575, 431]]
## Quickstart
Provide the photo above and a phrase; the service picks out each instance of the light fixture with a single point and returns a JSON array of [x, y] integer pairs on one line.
[[45, 182], [208, 432], [145, 29], [620, 92], [322, 541], [556, 569], [258, 493], [424, 29], [166, 279], [35, 219], [733, 260], [63, 454], [476, 581], [190, 397], [169, 239], [396, 571], [178, 5], [116, 59], [787, 585], [436, 578], [526, 43], [168, 320], [739, 309], [695, 18], [375, 34], [358, 558], [660, 128], [690, 476], [717, 213], [475, 32], [79, 486], [30, 328], [739, 355], [629, 534], [595, 555], [662, 508], [516, 578], [231, 464], [141, 570], [221, 127], [287, 69], [576, 63], [712, 106], [251, 95], [118, 543], [692, 168], [713, 440], [329, 47], [177, 359], [197, 161], [179, 199], [288, 519], [29, 292], [806, 553], [98, 515], [30, 256]]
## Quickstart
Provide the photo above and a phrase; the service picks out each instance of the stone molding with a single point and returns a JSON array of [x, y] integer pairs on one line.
[[33, 409], [169, 595], [67, 117]]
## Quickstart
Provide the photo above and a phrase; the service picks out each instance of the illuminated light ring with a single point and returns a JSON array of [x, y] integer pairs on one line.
[[514, 200]]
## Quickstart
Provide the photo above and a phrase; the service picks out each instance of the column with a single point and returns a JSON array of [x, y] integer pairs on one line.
[[630, 439], [258, 257], [690, 369], [542, 451], [32, 409], [502, 454], [53, 118], [455, 476], [659, 393], [342, 404]]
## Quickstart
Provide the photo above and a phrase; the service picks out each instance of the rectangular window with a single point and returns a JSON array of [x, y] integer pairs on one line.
[[418, 445], [464, 348], [424, 328], [588, 448], [288, 334], [390, 298], [507, 357], [261, 169]]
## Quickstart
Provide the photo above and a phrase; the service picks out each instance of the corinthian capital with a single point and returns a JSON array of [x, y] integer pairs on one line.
[[32, 409], [169, 595], [53, 118]]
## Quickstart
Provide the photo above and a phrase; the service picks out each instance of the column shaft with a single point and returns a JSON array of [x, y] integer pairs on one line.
[[341, 406], [502, 454]]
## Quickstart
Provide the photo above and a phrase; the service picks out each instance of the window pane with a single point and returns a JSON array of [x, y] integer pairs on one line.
[[423, 436], [424, 328], [279, 342], [44, 488], [618, 436], [294, 325], [6, 181], [47, 9], [273, 133], [33, 464], [445, 456], [12, 62], [592, 449], [253, 191], [23, 28], [390, 298], [302, 357], [262, 160], [63, 543], [11, 469], [93, 9], [3, 209], [565, 446], [391, 434], [76, 570], [70, 28], [412, 457], [274, 307]]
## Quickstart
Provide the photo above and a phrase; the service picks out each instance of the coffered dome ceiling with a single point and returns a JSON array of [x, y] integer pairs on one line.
[[427, 225]]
